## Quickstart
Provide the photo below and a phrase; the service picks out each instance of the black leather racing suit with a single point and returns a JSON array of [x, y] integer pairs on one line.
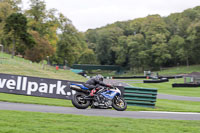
[[94, 83]]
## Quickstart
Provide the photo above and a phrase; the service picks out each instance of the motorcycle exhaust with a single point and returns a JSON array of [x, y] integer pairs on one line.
[[77, 88]]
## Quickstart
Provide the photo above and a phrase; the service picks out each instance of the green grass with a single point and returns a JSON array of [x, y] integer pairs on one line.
[[34, 100], [161, 104], [180, 70], [166, 71], [166, 88], [171, 106], [31, 122], [20, 66]]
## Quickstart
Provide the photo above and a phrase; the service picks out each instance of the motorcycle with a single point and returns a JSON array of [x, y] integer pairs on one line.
[[105, 98]]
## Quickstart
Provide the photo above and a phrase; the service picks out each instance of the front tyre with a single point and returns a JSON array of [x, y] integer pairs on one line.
[[79, 102], [119, 103]]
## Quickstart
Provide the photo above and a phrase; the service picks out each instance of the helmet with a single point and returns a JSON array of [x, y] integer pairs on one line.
[[99, 77]]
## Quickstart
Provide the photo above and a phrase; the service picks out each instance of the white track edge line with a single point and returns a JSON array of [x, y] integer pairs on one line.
[[163, 112]]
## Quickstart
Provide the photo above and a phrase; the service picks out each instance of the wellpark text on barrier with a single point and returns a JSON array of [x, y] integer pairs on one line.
[[34, 86]]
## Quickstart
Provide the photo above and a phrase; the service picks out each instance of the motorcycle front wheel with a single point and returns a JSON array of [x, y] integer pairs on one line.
[[79, 102], [119, 103]]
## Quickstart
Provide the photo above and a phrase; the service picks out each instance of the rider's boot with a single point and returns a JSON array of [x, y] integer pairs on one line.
[[91, 95], [92, 92]]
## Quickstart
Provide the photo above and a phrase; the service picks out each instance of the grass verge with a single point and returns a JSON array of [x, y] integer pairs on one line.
[[171, 106], [161, 104], [180, 70], [20, 66], [32, 122], [166, 88]]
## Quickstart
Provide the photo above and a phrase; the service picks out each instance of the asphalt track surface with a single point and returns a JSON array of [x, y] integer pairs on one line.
[[108, 112], [181, 98], [100, 112]]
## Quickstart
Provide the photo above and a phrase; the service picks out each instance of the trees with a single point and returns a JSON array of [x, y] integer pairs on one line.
[[192, 48], [43, 21], [16, 28], [107, 42], [44, 32], [176, 49], [88, 57], [131, 44], [5, 11], [71, 45], [37, 15], [14, 4], [66, 45], [149, 42], [41, 50], [160, 54], [136, 44], [43, 26], [122, 52], [143, 43]]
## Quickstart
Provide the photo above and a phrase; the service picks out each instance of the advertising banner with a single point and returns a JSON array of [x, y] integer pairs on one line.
[[34, 86]]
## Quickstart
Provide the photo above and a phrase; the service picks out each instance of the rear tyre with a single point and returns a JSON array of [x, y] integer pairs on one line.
[[119, 103], [79, 102]]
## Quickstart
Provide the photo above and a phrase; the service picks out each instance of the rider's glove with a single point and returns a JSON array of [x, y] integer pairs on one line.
[[98, 88], [110, 86]]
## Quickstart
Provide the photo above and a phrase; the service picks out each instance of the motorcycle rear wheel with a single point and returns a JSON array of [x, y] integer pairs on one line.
[[79, 102], [119, 103]]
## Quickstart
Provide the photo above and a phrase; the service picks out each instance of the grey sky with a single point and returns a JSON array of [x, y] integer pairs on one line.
[[89, 14]]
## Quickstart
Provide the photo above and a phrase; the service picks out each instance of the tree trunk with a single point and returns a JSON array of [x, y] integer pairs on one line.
[[187, 62], [13, 49]]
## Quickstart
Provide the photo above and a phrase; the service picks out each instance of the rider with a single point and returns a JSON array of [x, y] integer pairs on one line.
[[95, 83]]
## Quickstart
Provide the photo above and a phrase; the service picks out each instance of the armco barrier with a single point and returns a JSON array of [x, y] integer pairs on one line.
[[170, 77], [159, 77], [136, 96], [185, 85], [132, 77], [156, 81]]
